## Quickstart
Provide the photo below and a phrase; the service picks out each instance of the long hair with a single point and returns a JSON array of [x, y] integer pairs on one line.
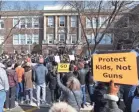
[[73, 83]]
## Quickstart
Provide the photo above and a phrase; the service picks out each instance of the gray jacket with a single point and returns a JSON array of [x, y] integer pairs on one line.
[[39, 74], [111, 105], [4, 84], [68, 94]]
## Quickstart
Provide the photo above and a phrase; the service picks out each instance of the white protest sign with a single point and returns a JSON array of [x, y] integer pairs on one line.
[[71, 57], [57, 59]]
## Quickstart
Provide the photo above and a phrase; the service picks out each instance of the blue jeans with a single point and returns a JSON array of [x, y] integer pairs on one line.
[[19, 91], [29, 94], [91, 92], [39, 88], [2, 99], [84, 94]]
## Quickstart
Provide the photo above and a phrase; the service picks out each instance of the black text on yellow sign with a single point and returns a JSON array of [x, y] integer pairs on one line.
[[63, 67]]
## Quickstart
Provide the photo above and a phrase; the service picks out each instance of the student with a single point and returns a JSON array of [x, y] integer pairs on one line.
[[4, 86], [10, 95], [20, 73], [28, 83]]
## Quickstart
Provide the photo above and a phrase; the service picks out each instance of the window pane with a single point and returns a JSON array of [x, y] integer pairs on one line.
[[50, 21], [88, 23], [61, 37], [50, 38], [62, 20], [15, 39], [1, 23], [15, 22], [36, 22], [73, 39], [29, 39], [36, 39], [1, 39], [29, 22], [73, 21], [22, 39], [22, 23]]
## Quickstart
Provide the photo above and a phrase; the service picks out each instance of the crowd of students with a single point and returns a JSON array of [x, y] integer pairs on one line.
[[19, 77]]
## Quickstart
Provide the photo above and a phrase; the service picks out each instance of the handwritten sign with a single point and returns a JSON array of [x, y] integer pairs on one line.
[[63, 67], [120, 67]]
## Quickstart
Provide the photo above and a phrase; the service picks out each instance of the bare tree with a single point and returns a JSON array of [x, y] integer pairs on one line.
[[93, 10]]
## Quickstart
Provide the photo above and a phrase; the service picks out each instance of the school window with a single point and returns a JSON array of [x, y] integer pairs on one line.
[[96, 22], [29, 39], [62, 21], [29, 22], [103, 21], [107, 39], [16, 40], [73, 21], [1, 23], [16, 22], [62, 37], [89, 38], [73, 38], [50, 21], [36, 22], [22, 39], [1, 39], [50, 38], [88, 23], [36, 38], [22, 23]]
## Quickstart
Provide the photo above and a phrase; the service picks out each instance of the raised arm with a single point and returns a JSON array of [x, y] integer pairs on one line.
[[62, 87]]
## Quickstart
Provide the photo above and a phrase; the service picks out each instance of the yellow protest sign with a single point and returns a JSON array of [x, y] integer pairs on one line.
[[120, 67], [63, 67]]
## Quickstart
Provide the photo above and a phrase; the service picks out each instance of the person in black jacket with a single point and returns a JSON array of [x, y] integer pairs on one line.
[[52, 83]]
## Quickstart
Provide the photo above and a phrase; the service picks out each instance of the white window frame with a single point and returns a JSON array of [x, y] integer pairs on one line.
[[94, 22], [71, 37], [21, 39], [88, 21], [23, 24], [28, 22], [29, 39], [34, 38], [48, 38], [33, 22], [1, 21], [60, 21], [18, 40], [1, 39], [50, 21], [64, 37], [73, 20]]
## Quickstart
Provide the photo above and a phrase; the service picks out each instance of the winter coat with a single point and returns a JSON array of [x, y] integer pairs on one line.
[[99, 100], [69, 95], [51, 79], [28, 78], [12, 77]]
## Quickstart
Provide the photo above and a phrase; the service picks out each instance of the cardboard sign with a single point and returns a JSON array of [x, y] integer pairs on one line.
[[71, 57], [63, 67], [57, 59], [120, 67]]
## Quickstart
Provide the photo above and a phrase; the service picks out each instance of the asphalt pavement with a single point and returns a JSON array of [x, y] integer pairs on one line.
[[33, 107]]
